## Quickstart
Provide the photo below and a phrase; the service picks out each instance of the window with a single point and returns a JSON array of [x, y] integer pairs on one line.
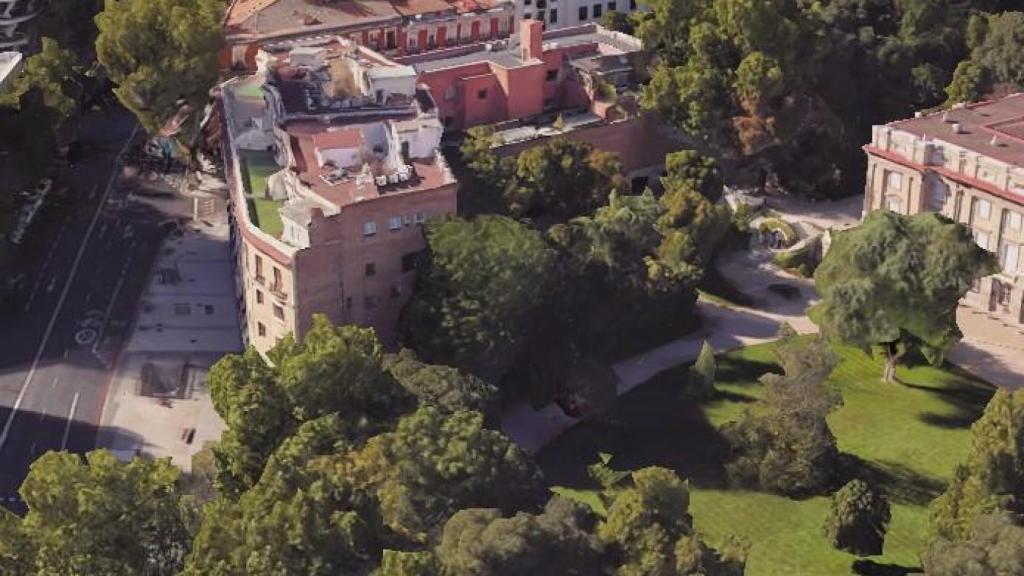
[[259, 297], [391, 44], [632, 4], [409, 262], [481, 94], [259, 268], [449, 93], [611, 6], [395, 223], [597, 11], [981, 238], [419, 218], [261, 330], [1009, 256], [396, 291], [583, 12], [982, 209], [369, 228], [1013, 220], [371, 268], [527, 2], [278, 312], [412, 41], [540, 15], [182, 309], [551, 75], [893, 181], [553, 16], [277, 285], [527, 16], [370, 302], [894, 203]]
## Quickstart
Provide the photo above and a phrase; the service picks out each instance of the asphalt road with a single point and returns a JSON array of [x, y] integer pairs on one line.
[[79, 273]]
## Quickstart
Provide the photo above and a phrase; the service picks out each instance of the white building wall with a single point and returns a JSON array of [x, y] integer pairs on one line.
[[567, 13]]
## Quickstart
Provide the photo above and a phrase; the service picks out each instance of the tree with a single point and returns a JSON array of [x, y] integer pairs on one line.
[[444, 387], [559, 541], [994, 547], [53, 72], [334, 370], [998, 50], [433, 465], [897, 281], [992, 478], [561, 179], [787, 447], [474, 300], [161, 54], [96, 516], [650, 529], [397, 563], [702, 373], [857, 519], [694, 171]]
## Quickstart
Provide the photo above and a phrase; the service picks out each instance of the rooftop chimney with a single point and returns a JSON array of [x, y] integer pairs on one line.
[[530, 38]]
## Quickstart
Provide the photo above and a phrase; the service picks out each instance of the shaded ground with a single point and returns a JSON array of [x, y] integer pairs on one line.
[[905, 438]]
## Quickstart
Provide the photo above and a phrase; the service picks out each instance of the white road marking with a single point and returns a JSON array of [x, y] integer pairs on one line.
[[64, 293], [106, 314], [67, 425]]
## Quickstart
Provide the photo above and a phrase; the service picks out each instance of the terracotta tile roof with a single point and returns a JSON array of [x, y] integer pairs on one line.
[[343, 138], [413, 7]]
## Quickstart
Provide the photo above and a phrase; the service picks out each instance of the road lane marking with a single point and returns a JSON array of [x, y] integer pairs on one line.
[[67, 425], [64, 293], [106, 314]]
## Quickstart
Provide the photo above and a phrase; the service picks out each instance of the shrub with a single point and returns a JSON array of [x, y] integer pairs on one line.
[[857, 519]]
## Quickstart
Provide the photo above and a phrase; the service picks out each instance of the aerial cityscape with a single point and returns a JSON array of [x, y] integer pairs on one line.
[[511, 287]]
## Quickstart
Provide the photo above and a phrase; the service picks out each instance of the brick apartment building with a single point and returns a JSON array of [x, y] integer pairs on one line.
[[584, 75], [391, 27], [968, 164], [332, 161]]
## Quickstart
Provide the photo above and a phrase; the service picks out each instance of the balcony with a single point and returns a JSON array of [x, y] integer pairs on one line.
[[277, 289]]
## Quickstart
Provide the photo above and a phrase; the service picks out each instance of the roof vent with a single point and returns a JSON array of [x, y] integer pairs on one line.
[[945, 117], [996, 142], [957, 128], [918, 114]]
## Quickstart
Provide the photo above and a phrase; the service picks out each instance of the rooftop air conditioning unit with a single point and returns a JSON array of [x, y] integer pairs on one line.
[[957, 128]]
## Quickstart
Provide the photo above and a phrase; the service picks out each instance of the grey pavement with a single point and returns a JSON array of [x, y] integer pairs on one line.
[[77, 275], [159, 405]]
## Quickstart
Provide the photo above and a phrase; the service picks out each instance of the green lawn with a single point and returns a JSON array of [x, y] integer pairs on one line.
[[257, 166], [904, 438]]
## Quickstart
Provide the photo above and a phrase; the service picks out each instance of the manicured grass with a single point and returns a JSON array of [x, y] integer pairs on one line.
[[257, 166], [905, 438], [266, 214]]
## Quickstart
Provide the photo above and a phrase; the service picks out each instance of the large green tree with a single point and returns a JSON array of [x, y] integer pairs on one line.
[[475, 298], [896, 281], [857, 519], [992, 478], [559, 541], [443, 387], [161, 54], [53, 71], [787, 446], [649, 528], [994, 547], [333, 370], [96, 516], [995, 58]]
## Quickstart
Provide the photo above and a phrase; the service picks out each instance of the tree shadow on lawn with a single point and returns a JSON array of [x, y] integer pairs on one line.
[[966, 401], [872, 568], [654, 425], [898, 482]]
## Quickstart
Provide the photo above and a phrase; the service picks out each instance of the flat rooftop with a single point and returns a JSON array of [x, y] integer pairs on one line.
[[583, 42], [980, 123]]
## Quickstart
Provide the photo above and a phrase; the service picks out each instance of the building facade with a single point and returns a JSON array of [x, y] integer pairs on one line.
[[556, 14], [390, 27], [16, 24], [577, 83], [333, 165], [966, 163]]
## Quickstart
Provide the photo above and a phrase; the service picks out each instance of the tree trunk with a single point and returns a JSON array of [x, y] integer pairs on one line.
[[892, 357]]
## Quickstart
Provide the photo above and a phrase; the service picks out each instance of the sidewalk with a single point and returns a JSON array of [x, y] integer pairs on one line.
[[158, 403], [991, 349]]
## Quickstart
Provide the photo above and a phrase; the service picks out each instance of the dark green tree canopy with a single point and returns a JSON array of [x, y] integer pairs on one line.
[[96, 516], [161, 54], [857, 519], [444, 387], [897, 280], [995, 546], [992, 478]]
